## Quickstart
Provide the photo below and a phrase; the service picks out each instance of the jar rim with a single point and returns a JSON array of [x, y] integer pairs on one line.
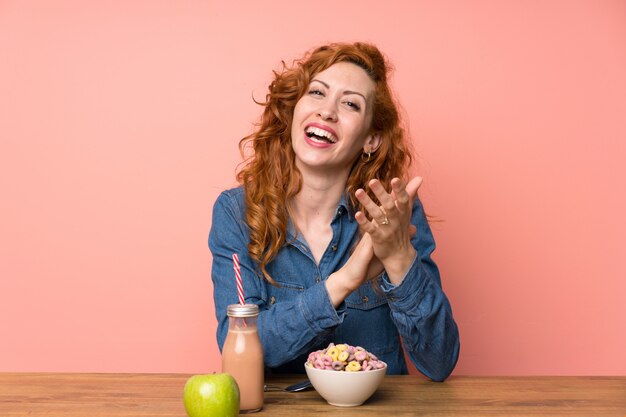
[[242, 310]]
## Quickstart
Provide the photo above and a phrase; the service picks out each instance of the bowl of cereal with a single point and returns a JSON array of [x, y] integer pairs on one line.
[[344, 375]]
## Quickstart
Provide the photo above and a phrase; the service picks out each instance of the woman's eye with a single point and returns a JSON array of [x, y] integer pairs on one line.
[[353, 105], [316, 92]]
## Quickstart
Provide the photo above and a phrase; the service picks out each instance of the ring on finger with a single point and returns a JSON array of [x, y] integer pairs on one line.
[[385, 220]]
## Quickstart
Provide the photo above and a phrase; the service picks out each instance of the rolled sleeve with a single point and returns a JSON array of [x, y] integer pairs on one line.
[[324, 318], [421, 310], [403, 295]]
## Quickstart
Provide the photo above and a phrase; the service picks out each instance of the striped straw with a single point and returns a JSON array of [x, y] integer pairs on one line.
[[238, 279]]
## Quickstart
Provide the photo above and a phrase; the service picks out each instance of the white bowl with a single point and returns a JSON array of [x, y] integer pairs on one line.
[[345, 389]]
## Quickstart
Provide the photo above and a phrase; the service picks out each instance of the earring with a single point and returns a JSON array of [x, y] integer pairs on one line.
[[369, 156]]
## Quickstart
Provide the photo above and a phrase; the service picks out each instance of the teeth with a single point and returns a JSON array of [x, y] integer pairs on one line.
[[321, 133]]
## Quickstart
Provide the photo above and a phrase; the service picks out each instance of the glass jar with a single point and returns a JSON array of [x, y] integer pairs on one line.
[[242, 355]]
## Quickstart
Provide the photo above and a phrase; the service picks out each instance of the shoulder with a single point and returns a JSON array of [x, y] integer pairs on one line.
[[229, 216], [232, 196], [232, 200]]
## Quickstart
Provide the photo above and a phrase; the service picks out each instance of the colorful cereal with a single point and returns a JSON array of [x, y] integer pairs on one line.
[[343, 357]]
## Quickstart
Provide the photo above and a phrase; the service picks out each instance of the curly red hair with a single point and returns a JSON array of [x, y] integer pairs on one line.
[[270, 176]]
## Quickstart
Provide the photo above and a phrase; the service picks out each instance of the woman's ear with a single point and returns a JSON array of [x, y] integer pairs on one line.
[[372, 142]]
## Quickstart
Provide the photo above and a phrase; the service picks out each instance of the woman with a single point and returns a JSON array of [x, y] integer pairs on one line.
[[324, 260]]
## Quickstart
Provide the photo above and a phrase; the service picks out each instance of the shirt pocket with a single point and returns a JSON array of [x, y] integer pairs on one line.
[[366, 297], [285, 291]]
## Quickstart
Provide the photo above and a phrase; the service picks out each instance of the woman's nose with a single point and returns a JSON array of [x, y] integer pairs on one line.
[[328, 113]]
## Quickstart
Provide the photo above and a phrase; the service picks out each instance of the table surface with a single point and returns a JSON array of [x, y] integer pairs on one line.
[[123, 395]]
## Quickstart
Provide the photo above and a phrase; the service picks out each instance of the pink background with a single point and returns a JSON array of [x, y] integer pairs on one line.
[[119, 125]]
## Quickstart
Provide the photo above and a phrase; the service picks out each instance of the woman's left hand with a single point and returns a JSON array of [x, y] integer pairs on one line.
[[390, 227]]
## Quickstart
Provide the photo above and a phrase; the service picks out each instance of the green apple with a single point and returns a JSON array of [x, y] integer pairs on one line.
[[213, 395]]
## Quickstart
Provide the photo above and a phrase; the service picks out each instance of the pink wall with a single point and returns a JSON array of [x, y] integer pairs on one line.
[[119, 125]]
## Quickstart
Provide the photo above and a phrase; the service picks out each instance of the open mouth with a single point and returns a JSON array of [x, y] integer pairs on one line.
[[320, 135]]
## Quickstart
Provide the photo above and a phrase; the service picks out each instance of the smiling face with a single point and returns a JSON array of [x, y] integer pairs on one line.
[[331, 121]]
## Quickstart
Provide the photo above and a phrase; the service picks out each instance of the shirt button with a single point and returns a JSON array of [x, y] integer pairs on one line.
[[317, 279], [365, 299], [272, 300], [334, 247]]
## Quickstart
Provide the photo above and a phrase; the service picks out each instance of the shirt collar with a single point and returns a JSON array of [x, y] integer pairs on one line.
[[343, 208]]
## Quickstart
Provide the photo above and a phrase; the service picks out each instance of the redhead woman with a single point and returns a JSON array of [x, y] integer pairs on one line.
[[333, 243]]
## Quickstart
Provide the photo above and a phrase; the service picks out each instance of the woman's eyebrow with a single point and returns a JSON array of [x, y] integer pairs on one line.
[[345, 92]]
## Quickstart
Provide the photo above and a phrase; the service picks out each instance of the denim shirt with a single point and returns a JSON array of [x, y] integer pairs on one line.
[[297, 317]]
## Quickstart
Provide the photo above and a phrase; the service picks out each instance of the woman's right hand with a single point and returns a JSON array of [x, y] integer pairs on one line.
[[361, 266]]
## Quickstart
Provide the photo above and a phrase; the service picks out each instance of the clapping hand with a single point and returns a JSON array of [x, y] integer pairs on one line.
[[385, 244], [390, 228]]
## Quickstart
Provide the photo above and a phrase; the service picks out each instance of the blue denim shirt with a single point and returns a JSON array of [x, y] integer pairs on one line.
[[298, 317]]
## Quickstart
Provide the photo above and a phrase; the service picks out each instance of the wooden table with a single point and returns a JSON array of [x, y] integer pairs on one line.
[[123, 395]]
